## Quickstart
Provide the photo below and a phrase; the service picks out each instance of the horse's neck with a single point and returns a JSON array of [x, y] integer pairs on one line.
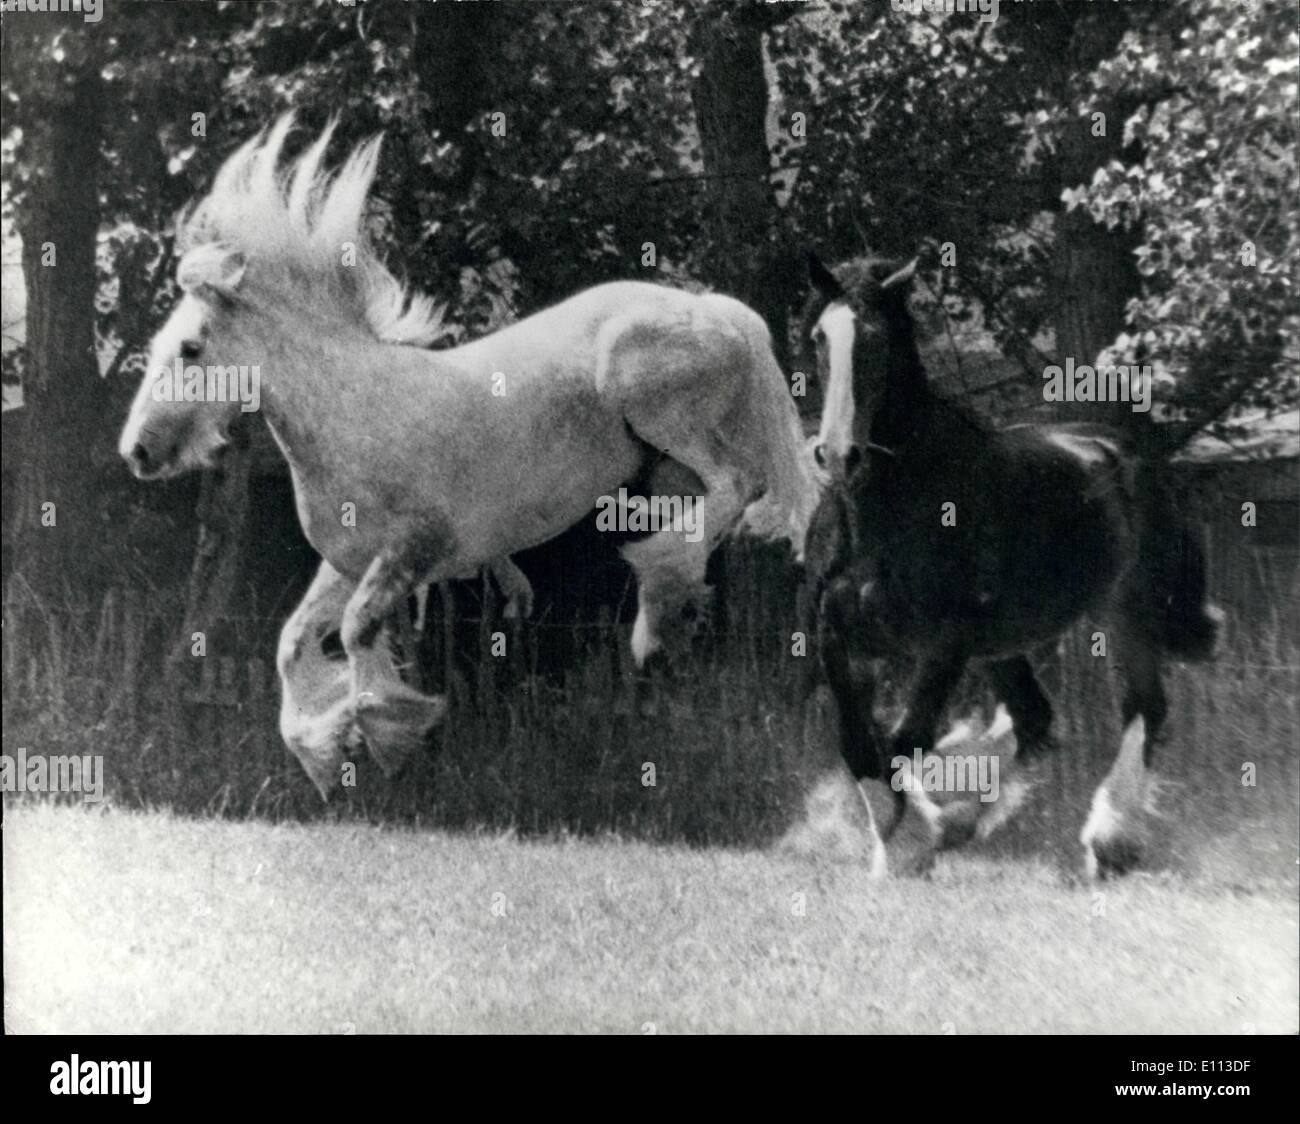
[[911, 416], [304, 399], [908, 404]]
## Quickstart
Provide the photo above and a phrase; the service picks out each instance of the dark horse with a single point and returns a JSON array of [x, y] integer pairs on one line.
[[949, 539]]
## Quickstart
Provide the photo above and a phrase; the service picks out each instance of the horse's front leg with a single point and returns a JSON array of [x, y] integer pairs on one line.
[[394, 717], [315, 697], [846, 647], [940, 672], [1018, 688]]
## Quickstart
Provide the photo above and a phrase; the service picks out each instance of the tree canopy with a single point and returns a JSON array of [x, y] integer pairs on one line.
[[1113, 180]]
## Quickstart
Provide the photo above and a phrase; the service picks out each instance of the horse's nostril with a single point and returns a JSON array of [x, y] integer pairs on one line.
[[819, 455], [140, 456]]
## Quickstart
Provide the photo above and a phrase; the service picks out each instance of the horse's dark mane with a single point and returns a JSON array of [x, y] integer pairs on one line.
[[911, 403]]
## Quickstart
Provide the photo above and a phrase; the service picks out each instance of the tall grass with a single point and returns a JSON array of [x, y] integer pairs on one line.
[[734, 738]]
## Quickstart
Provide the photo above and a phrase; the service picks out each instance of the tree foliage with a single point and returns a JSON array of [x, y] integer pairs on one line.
[[535, 149], [1213, 194]]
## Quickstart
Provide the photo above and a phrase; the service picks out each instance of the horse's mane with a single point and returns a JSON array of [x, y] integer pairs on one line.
[[295, 223]]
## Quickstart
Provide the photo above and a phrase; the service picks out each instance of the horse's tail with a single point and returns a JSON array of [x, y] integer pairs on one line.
[[793, 485], [1187, 624]]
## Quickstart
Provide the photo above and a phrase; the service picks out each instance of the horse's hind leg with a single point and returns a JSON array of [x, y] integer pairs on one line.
[[1144, 693], [670, 564], [515, 586], [1113, 836], [670, 573], [689, 398], [394, 717], [1016, 685]]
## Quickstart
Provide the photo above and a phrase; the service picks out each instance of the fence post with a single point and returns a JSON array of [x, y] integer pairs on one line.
[[486, 687]]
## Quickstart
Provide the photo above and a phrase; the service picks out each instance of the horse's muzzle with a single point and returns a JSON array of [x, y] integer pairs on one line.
[[142, 464], [839, 465]]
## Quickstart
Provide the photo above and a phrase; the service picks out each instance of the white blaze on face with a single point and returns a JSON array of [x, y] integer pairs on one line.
[[185, 323], [839, 329]]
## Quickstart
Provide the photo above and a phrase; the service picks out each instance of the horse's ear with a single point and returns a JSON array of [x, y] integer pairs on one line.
[[210, 271], [822, 278], [900, 276]]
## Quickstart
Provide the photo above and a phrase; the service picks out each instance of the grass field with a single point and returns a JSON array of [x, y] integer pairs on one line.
[[131, 922], [212, 891]]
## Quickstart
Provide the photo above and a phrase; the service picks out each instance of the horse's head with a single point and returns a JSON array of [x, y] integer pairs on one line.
[[315, 279], [184, 408], [847, 322]]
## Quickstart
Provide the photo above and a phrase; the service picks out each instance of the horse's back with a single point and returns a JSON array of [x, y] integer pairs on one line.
[[1039, 525], [630, 325], [636, 302]]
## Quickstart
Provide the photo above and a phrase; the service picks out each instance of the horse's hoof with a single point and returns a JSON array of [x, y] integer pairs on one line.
[[878, 871], [1112, 858], [922, 866], [957, 825], [396, 725], [658, 665], [322, 743], [324, 777], [519, 607]]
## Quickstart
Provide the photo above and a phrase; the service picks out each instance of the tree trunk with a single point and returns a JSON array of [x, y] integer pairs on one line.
[[1094, 273], [745, 255], [67, 441]]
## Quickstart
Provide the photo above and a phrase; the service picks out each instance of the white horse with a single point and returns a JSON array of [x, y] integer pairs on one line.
[[413, 466]]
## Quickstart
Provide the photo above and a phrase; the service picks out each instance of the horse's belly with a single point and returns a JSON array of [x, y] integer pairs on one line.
[[1000, 596], [548, 493]]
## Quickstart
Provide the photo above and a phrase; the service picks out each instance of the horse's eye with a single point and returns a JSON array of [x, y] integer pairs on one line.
[[818, 336], [191, 349]]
